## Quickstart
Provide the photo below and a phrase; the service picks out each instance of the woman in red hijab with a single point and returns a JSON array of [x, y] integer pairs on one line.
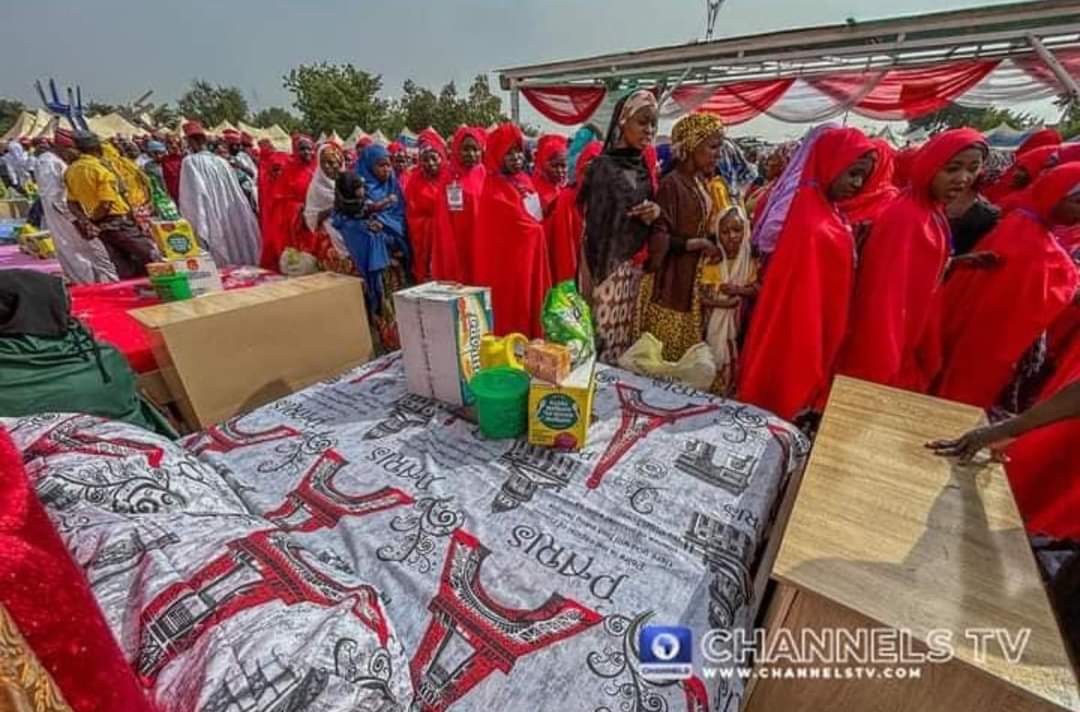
[[271, 164], [863, 210], [511, 249], [287, 198], [170, 166], [1024, 172], [896, 307], [434, 255], [992, 317], [1005, 184], [565, 225], [801, 317], [463, 188], [549, 170]]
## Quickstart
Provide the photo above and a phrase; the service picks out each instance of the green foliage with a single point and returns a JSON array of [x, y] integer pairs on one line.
[[100, 108], [336, 97], [1070, 121], [165, 116], [275, 115], [212, 104], [9, 113], [420, 107], [956, 116]]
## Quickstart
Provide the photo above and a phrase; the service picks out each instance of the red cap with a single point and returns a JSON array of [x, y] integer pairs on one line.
[[194, 128], [247, 139], [63, 137]]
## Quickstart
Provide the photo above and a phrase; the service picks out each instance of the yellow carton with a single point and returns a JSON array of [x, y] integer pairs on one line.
[[559, 415], [175, 239]]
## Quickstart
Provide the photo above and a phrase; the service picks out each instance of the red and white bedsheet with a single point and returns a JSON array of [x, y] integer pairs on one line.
[[354, 547]]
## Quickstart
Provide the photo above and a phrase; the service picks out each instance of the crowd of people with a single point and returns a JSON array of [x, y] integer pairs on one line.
[[940, 269]]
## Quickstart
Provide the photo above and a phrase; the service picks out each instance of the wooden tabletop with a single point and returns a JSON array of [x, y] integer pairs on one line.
[[915, 542]]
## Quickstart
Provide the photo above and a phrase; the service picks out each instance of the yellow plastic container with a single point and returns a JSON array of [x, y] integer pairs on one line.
[[559, 415]]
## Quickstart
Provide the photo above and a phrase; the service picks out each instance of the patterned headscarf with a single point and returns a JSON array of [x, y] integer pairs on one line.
[[693, 130], [637, 101]]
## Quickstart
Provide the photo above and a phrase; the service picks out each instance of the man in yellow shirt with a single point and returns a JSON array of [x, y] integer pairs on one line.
[[101, 211]]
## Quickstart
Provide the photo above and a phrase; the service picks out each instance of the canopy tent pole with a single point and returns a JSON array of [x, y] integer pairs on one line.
[[1055, 66], [515, 104]]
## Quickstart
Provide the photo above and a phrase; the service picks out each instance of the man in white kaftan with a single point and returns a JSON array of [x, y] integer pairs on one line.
[[212, 201], [84, 261]]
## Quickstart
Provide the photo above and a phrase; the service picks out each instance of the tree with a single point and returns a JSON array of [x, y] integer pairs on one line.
[[484, 108], [419, 106], [165, 116], [956, 116], [100, 108], [213, 104], [336, 97], [275, 115], [9, 113]]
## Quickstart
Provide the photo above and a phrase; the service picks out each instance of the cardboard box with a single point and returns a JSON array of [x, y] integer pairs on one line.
[[175, 239], [546, 361], [440, 325], [202, 272], [559, 415], [227, 353]]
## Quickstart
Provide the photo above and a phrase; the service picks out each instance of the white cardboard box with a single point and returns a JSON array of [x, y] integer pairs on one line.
[[440, 325]]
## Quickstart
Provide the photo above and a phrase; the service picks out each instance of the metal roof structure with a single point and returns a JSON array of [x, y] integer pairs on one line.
[[996, 32]]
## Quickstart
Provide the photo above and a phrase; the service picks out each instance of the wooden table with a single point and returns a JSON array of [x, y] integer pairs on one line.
[[886, 534]]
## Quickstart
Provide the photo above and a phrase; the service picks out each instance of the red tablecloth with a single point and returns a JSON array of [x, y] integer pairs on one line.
[[104, 309]]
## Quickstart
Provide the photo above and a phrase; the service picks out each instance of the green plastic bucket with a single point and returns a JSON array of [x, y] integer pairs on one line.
[[173, 287], [502, 401]]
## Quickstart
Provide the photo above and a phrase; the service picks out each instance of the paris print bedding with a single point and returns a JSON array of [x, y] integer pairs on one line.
[[354, 547]]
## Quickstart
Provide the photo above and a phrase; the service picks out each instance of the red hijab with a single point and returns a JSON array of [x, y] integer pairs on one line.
[[1003, 186], [288, 194], [1033, 163], [549, 146], [434, 253], [566, 226], [800, 320], [511, 249], [462, 217], [879, 191], [991, 317], [895, 315]]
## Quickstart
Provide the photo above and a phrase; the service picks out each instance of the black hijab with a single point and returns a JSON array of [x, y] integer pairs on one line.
[[616, 180], [32, 304]]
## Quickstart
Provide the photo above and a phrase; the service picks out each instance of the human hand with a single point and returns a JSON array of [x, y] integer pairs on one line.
[[375, 226], [646, 211], [970, 443]]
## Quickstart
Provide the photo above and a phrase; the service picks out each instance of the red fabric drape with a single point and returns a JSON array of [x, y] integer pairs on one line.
[[284, 225], [566, 105], [170, 172], [992, 316], [511, 248], [566, 225], [895, 313], [735, 103], [1044, 464], [903, 93], [801, 317], [48, 597]]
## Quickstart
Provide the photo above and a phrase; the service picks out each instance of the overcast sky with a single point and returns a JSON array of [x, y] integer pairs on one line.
[[117, 49]]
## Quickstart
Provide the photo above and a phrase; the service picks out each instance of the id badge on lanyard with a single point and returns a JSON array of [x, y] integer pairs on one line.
[[455, 197], [532, 206]]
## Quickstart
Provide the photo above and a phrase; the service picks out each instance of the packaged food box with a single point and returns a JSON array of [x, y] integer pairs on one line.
[[559, 415], [440, 325], [174, 238], [202, 272], [546, 361]]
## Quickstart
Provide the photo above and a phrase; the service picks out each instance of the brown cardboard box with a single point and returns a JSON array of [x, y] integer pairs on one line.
[[227, 353]]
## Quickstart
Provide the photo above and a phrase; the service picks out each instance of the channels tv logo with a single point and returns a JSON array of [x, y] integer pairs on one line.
[[665, 652]]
